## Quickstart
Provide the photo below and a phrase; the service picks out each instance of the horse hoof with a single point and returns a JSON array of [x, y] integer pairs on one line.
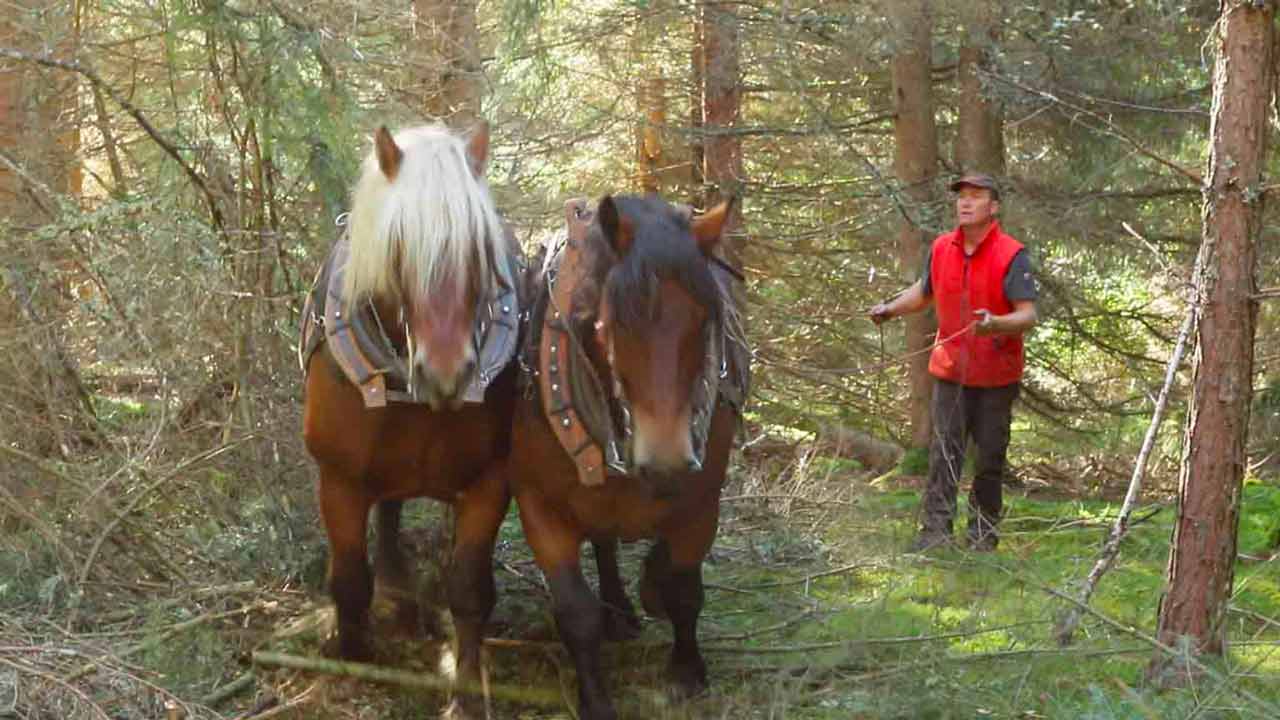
[[621, 624], [346, 648], [463, 709], [688, 680], [605, 712], [408, 618]]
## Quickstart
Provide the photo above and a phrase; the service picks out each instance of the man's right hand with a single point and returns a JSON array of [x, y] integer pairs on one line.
[[880, 313]]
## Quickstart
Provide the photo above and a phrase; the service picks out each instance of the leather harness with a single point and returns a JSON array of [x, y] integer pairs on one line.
[[592, 427], [358, 341]]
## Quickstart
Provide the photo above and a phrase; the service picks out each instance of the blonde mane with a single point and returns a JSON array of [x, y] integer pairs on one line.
[[432, 222]]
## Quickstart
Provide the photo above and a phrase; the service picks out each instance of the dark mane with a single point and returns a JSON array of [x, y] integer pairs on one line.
[[662, 248]]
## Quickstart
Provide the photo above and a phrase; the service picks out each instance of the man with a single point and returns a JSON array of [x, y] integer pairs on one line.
[[979, 280]]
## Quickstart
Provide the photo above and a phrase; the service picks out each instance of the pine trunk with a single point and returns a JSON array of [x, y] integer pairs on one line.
[[722, 99], [980, 133], [651, 102], [721, 150], [915, 163], [449, 73], [697, 79], [1202, 559]]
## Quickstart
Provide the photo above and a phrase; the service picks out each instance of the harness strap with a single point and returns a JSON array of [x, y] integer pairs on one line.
[[556, 353], [358, 343]]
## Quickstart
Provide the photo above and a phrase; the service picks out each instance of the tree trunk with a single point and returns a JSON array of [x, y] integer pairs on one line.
[[449, 73], [915, 163], [1202, 559], [49, 410], [721, 104], [651, 101], [980, 134], [697, 81], [874, 454]]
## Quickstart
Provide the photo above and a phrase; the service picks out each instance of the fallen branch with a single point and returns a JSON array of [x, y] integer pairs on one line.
[[402, 678], [228, 691], [856, 644], [1270, 709], [809, 578], [172, 631], [920, 665], [1070, 618]]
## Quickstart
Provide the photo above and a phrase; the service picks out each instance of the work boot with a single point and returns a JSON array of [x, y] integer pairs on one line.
[[982, 536], [928, 540]]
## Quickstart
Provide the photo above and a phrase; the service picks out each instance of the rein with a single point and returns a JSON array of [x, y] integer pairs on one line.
[[899, 360]]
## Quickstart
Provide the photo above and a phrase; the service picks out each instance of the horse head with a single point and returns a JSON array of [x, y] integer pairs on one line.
[[425, 239], [654, 303]]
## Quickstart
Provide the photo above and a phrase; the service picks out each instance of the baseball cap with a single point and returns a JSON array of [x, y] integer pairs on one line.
[[977, 180]]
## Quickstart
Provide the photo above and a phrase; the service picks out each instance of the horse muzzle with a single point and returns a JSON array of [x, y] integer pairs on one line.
[[442, 391], [661, 448]]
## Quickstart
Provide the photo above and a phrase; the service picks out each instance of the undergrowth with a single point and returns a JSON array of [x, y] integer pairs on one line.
[[813, 611]]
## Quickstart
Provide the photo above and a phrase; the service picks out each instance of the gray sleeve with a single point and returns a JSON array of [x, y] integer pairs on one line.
[[925, 282], [1019, 281]]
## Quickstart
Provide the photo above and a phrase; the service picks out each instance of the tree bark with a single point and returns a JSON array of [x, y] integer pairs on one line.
[[651, 101], [915, 164], [650, 162], [875, 454], [1202, 559], [49, 408], [697, 80], [449, 74], [722, 102], [980, 133]]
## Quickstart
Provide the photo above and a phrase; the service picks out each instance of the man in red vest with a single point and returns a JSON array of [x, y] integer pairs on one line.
[[979, 280]]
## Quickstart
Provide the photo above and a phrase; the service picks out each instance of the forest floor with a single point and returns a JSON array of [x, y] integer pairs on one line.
[[813, 610]]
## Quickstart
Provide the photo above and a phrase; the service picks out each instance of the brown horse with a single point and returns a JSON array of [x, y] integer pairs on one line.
[[649, 309], [424, 269]]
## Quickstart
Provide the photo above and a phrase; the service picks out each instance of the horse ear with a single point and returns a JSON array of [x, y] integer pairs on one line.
[[389, 154], [478, 148], [617, 229], [709, 227]]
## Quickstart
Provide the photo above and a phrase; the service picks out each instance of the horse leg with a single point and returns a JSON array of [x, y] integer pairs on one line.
[[620, 620], [681, 596], [657, 568], [346, 516], [479, 511], [557, 548], [393, 578]]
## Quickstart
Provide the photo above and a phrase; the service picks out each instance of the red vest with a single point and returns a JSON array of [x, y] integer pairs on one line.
[[964, 283]]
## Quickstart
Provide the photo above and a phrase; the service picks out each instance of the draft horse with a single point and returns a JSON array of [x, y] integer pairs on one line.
[[426, 249], [636, 308]]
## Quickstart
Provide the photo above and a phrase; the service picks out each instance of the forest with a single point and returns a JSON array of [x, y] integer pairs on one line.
[[174, 175]]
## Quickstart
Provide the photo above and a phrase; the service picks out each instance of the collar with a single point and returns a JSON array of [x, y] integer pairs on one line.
[[957, 237]]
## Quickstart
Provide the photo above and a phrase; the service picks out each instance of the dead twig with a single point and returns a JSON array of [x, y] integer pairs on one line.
[[809, 578], [856, 644], [228, 691], [172, 631], [144, 493], [392, 676]]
